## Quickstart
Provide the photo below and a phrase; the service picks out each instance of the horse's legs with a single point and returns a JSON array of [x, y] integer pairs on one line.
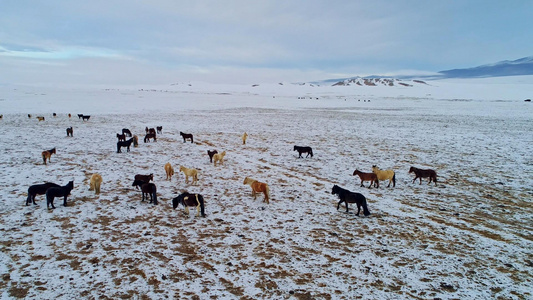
[[339, 204], [197, 210], [186, 210], [65, 200], [358, 209], [346, 202]]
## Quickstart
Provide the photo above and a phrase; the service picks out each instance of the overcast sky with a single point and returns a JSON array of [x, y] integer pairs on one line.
[[120, 42]]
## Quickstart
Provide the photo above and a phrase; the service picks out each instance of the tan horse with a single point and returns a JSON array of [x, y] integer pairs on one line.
[[169, 170], [40, 118], [95, 182], [244, 137], [219, 157], [385, 175], [189, 172], [135, 141], [47, 154], [258, 187]]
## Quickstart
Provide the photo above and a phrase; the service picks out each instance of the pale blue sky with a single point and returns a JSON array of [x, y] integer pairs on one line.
[[166, 41]]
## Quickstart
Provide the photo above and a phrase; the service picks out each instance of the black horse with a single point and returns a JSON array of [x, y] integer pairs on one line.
[[301, 150], [126, 144], [186, 136], [187, 200], [38, 189], [126, 131], [147, 188], [61, 191], [85, 117], [347, 196]]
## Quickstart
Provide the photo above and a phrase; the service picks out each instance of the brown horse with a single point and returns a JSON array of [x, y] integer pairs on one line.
[[187, 136], [373, 178], [211, 153], [150, 136], [47, 154], [423, 173], [169, 170], [190, 200], [40, 118], [70, 131], [258, 187]]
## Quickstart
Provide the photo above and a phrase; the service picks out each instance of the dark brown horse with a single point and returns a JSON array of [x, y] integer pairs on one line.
[[423, 173], [121, 137], [187, 136], [147, 188], [373, 178], [211, 153], [150, 136], [301, 150], [144, 178], [47, 154], [38, 189], [70, 131]]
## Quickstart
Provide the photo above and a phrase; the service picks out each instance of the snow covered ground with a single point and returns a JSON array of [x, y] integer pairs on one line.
[[468, 237]]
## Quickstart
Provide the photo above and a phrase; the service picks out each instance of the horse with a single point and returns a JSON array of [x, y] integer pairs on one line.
[[149, 130], [135, 141], [244, 137], [258, 187], [219, 157], [40, 118], [126, 132], [149, 136], [85, 118], [61, 191], [70, 131], [347, 196], [144, 178], [301, 150], [186, 136], [423, 173], [95, 182], [126, 144], [385, 175], [159, 129], [70, 116], [29, 116], [54, 115], [189, 172], [121, 137], [80, 116], [47, 154], [147, 188], [211, 153], [188, 200], [373, 178], [38, 189], [169, 170]]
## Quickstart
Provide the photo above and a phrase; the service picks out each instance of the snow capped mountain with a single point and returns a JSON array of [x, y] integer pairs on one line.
[[378, 82], [522, 66]]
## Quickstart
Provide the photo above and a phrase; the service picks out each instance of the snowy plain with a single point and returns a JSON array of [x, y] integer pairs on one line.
[[469, 237]]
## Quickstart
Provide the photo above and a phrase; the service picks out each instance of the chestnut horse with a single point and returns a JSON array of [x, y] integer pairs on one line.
[[258, 187], [186, 199], [211, 153], [347, 196], [423, 173], [385, 175], [169, 170], [47, 154], [186, 136], [373, 178], [190, 172]]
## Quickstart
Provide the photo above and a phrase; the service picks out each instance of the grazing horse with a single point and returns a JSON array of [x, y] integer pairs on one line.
[[189, 200], [40, 118], [135, 141], [147, 188], [80, 116], [121, 137], [38, 189], [150, 136], [169, 170], [47, 154], [126, 144], [258, 187], [373, 178], [301, 150], [347, 196], [126, 132], [219, 157], [159, 129], [423, 173], [61, 191], [186, 136], [211, 153], [95, 182], [244, 137], [189, 172], [385, 175], [70, 131], [85, 118]]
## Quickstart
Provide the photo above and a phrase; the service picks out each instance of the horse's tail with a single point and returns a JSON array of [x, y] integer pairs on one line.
[[202, 205], [366, 212], [44, 157], [154, 196], [267, 193], [394, 179], [28, 200], [311, 152]]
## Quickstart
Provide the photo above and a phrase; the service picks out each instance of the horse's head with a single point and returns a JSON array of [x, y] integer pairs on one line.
[[176, 201], [335, 189], [355, 172], [295, 148], [411, 169], [152, 176]]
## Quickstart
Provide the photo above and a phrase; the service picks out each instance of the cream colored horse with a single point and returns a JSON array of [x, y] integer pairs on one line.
[[258, 187], [169, 170], [219, 157], [385, 175], [95, 182], [189, 172], [244, 137]]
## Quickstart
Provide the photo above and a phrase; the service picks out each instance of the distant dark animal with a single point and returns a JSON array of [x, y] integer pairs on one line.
[[187, 136], [40, 118], [144, 178], [62, 191], [38, 189], [1, 116], [423, 173], [80, 116], [121, 137], [54, 114], [126, 131], [47, 154], [69, 115], [385, 175], [29, 116], [211, 153], [527, 100], [373, 178], [150, 136], [70, 131], [244, 137], [85, 118], [258, 187], [147, 188], [126, 144], [301, 150], [190, 200], [347, 196], [159, 129]]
